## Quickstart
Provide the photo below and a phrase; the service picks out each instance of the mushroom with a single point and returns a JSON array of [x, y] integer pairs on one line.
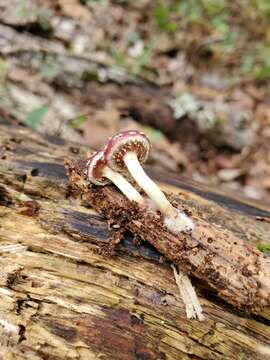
[[100, 174], [129, 149]]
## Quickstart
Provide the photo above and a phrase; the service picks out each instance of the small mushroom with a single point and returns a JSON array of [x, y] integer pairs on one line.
[[100, 174], [129, 149]]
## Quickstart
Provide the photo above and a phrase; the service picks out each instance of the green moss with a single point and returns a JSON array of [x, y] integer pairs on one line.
[[263, 247]]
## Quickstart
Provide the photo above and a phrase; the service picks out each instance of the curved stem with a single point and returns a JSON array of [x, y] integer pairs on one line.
[[148, 185], [127, 189], [175, 220]]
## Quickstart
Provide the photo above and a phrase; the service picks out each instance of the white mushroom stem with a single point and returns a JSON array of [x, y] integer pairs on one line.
[[188, 294], [127, 189], [174, 219]]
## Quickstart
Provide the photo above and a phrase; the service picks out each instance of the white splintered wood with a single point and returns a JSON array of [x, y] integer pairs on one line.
[[188, 294]]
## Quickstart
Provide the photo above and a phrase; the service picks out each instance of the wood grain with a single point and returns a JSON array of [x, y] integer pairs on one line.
[[64, 298]]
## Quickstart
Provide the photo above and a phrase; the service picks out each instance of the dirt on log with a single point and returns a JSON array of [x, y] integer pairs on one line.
[[63, 296]]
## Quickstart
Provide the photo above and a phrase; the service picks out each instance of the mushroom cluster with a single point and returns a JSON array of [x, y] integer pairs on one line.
[[124, 153], [100, 174]]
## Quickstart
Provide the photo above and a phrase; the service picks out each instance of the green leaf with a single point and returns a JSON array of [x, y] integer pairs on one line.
[[36, 115], [78, 121], [162, 17]]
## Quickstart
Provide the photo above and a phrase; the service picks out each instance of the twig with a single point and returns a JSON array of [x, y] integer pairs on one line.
[[188, 294]]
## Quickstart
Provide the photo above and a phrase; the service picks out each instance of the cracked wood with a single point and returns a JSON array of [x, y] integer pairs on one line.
[[61, 298]]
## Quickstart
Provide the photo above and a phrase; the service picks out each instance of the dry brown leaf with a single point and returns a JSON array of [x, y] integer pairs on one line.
[[74, 9]]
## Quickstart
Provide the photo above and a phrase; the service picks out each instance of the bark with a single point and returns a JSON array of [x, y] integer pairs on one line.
[[64, 295]]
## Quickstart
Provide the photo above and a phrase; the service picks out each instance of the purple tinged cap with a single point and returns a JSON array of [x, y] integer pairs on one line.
[[124, 142], [94, 168]]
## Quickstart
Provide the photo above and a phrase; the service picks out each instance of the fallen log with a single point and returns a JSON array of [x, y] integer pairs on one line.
[[63, 296], [238, 272]]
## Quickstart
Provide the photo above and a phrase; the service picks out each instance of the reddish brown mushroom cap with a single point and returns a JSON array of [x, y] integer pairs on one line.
[[124, 142], [94, 167]]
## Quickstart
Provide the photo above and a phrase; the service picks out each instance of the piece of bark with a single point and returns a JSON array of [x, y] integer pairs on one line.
[[62, 299]]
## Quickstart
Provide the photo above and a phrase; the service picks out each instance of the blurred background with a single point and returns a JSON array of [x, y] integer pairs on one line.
[[193, 74]]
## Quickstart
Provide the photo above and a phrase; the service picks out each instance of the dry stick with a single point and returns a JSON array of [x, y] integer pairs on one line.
[[184, 295], [188, 294]]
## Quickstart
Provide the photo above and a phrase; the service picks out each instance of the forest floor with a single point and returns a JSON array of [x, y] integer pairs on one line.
[[194, 75]]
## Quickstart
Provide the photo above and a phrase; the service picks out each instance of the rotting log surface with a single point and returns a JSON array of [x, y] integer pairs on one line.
[[237, 271], [63, 298]]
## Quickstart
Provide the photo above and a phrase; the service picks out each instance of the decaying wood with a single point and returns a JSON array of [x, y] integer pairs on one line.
[[63, 298], [238, 272]]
